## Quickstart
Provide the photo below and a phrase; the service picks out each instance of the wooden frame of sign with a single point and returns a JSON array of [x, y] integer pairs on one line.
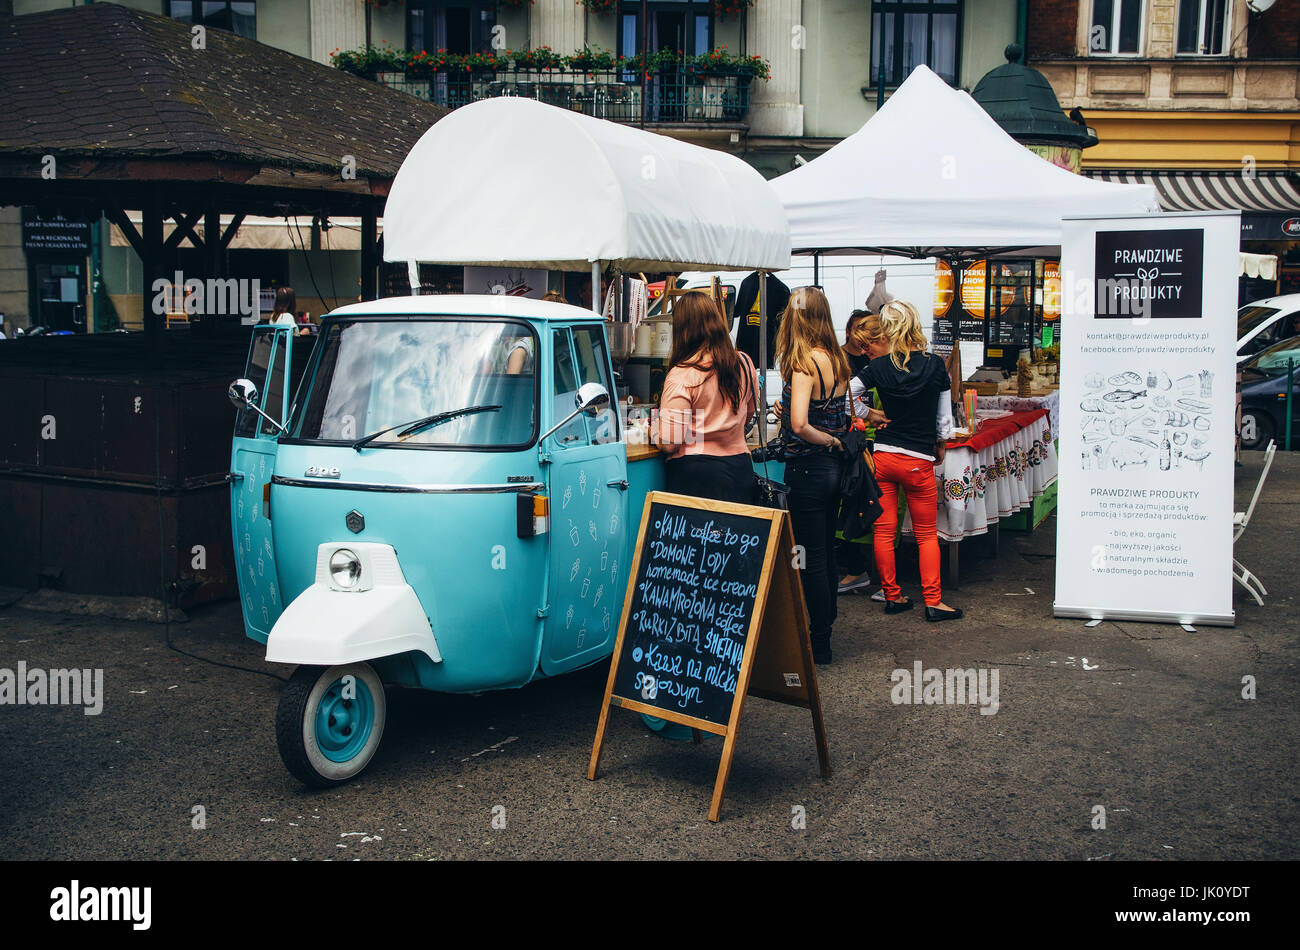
[[776, 663]]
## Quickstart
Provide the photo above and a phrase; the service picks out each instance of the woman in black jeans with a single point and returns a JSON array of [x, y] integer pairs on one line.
[[814, 415]]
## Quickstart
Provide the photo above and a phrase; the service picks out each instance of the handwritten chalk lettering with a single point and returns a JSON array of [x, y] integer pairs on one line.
[[693, 600], [671, 526], [677, 553], [682, 695], [723, 648], [723, 677], [681, 601], [660, 662]]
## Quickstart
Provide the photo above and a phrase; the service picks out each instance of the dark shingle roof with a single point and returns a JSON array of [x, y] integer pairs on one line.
[[106, 81]]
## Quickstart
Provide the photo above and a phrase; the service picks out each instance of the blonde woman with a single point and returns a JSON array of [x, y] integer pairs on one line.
[[864, 340], [814, 415], [913, 387]]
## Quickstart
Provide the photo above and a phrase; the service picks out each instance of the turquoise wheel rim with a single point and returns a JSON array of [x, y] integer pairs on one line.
[[343, 726]]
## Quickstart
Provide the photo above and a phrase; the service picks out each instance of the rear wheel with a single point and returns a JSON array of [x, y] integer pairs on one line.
[[1257, 428], [329, 722]]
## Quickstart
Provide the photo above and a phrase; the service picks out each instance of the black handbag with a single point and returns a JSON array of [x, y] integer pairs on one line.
[[770, 493]]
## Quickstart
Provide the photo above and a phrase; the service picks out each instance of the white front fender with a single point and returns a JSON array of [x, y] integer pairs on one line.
[[327, 625]]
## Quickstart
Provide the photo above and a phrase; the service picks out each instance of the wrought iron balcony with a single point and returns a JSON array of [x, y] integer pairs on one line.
[[680, 96]]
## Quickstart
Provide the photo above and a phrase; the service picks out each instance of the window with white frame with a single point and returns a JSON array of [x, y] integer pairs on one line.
[[1203, 27], [1116, 27]]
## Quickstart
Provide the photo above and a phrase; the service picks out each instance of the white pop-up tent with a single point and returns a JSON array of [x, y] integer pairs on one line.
[[512, 181], [932, 171]]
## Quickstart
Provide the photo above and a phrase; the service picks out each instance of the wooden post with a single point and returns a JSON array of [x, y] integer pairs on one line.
[[369, 251], [762, 355], [153, 265]]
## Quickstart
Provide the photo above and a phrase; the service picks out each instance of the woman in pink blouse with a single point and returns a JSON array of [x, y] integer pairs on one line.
[[709, 400]]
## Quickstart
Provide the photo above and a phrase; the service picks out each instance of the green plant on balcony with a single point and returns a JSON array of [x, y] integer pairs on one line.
[[730, 9], [601, 7], [589, 60], [482, 62], [720, 62], [369, 61], [664, 61], [423, 65], [543, 58]]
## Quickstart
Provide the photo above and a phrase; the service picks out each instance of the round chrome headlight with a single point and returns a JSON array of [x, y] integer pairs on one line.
[[345, 568]]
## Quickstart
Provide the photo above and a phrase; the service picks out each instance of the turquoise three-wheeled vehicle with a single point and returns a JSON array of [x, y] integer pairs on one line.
[[444, 501]]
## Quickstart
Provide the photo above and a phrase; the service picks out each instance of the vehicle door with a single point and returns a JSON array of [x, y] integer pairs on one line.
[[252, 462], [587, 479]]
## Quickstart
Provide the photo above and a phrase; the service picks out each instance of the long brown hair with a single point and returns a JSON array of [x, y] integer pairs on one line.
[[285, 301], [700, 337], [806, 326]]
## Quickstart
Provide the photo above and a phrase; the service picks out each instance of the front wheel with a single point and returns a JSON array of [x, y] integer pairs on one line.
[[329, 722]]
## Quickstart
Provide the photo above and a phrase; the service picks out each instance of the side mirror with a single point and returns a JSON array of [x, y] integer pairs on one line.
[[591, 398], [242, 393]]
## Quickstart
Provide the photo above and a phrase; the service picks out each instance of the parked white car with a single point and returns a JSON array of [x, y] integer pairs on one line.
[[1261, 323]]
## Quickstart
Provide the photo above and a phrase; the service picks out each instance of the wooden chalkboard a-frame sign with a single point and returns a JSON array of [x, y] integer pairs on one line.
[[714, 613]]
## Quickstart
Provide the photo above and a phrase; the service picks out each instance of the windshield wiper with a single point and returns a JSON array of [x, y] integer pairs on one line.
[[410, 428]]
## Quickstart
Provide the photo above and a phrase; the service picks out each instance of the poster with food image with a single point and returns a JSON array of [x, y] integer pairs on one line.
[[1145, 503], [506, 281]]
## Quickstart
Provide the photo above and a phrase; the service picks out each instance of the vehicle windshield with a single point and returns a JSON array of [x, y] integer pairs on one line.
[[1251, 316], [376, 374], [1272, 362]]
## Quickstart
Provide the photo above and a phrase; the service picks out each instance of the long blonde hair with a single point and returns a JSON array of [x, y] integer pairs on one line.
[[806, 326], [902, 326]]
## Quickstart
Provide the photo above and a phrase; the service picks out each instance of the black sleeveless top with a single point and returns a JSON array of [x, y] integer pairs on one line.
[[830, 414]]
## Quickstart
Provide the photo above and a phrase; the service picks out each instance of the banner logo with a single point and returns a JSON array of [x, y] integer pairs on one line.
[[1150, 274]]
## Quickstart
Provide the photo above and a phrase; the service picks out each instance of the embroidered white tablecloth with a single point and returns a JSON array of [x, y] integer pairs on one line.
[[980, 483]]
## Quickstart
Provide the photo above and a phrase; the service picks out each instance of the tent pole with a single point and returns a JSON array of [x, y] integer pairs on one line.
[[816, 269], [596, 302], [413, 276], [762, 356]]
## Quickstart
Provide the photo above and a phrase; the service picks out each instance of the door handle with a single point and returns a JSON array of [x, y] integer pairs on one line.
[[619, 483]]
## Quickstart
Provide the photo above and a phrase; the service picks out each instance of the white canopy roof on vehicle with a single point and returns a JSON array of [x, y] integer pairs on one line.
[[932, 170], [511, 181]]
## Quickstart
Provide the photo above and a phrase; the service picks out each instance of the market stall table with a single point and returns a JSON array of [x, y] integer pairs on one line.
[[1050, 401], [993, 473]]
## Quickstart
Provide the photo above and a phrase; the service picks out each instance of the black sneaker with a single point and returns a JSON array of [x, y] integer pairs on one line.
[[861, 583], [822, 655]]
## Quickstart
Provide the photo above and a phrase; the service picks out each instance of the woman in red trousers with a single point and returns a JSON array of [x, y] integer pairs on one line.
[[914, 391]]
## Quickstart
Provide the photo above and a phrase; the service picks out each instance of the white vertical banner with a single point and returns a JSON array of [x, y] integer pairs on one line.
[[1145, 505]]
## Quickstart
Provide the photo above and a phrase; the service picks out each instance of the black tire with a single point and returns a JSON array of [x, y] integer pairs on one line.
[[1264, 429], [296, 710]]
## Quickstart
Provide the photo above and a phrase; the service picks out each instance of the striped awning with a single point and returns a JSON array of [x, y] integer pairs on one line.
[[1267, 192]]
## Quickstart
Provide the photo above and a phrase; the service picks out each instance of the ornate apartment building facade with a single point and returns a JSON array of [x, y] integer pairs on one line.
[[1199, 97]]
